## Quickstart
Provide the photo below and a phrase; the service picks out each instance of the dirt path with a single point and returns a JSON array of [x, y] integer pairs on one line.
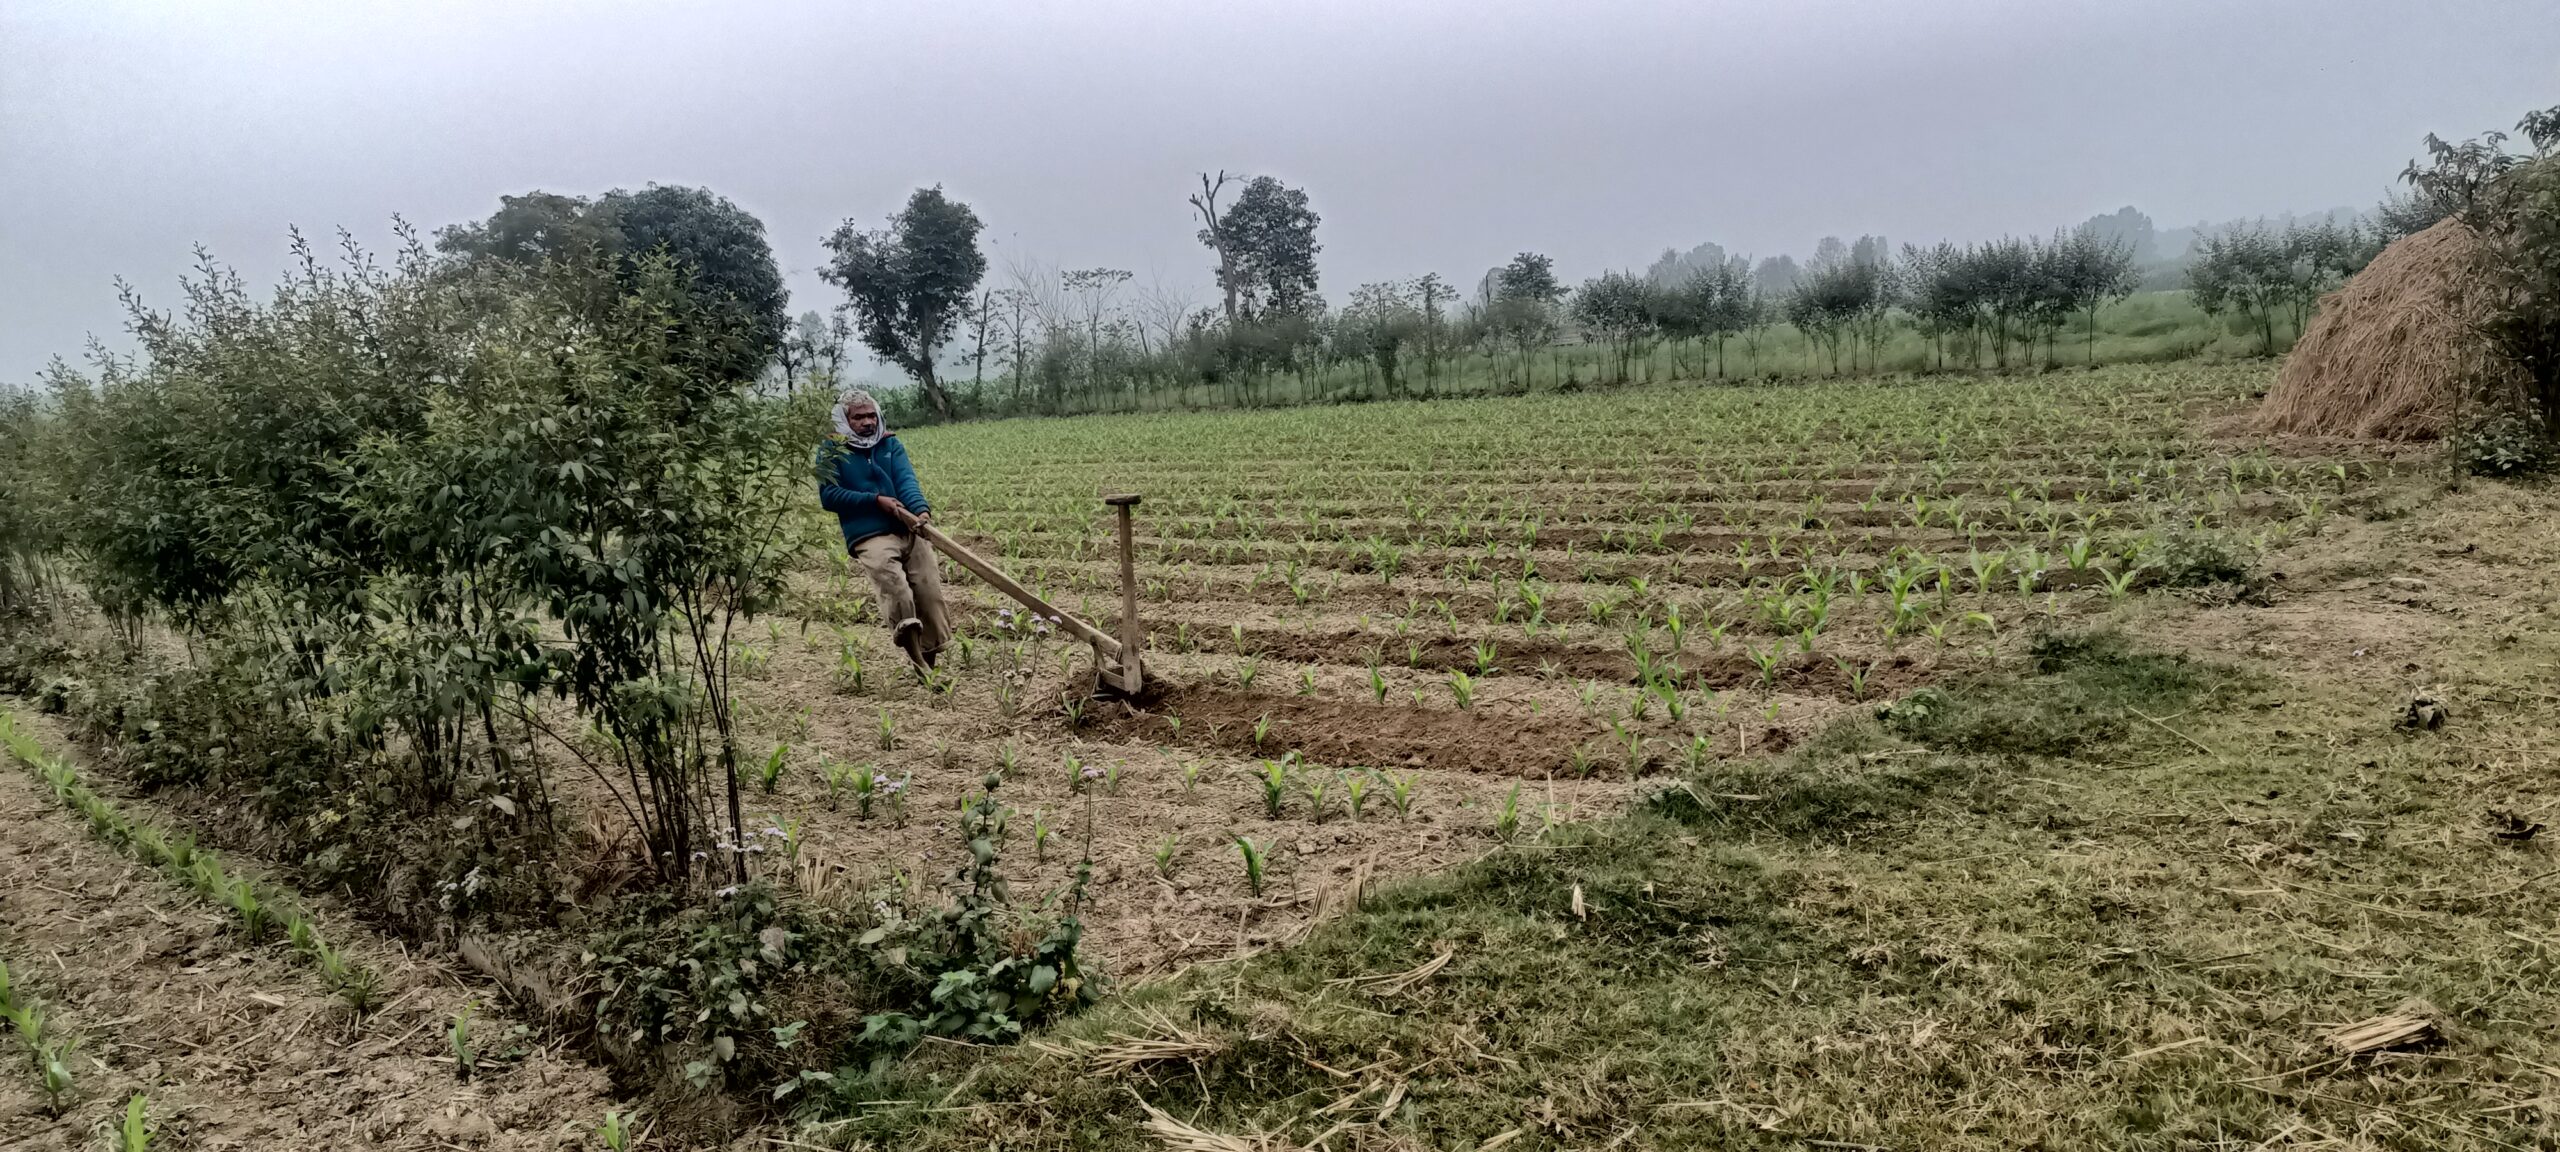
[[238, 1046]]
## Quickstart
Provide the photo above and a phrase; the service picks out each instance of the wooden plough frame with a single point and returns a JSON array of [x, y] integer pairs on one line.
[[1118, 660]]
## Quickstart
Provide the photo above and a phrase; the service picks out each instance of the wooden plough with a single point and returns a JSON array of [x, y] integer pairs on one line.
[[1118, 660]]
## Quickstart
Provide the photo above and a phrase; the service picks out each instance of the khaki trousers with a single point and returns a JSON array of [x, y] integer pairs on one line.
[[909, 579]]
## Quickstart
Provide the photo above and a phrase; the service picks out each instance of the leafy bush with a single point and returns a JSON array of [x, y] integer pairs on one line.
[[763, 991], [2190, 557], [2508, 442], [989, 976]]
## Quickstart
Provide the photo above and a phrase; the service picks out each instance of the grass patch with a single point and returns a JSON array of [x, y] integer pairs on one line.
[[1867, 941], [2087, 690]]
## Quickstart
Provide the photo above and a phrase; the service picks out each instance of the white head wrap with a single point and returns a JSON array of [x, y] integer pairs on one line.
[[844, 427]]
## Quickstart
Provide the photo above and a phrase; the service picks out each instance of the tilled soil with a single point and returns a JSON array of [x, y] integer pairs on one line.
[[237, 1045]]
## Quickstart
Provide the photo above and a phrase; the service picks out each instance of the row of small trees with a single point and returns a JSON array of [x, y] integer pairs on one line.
[[2259, 275], [1973, 301], [1057, 341]]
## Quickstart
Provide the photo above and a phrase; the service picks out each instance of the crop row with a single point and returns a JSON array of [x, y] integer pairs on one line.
[[258, 911]]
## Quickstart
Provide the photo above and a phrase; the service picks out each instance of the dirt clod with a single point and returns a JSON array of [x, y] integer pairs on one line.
[[2423, 713]]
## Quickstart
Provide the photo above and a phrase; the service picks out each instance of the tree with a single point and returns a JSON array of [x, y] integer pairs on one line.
[[1529, 276], [1519, 306], [1876, 288], [1736, 310], [815, 349], [1775, 277], [1434, 296], [910, 284], [1620, 309], [2127, 226], [531, 228], [1683, 309], [2243, 271], [1266, 247], [2319, 258], [2518, 218], [1675, 268], [2097, 270], [728, 267], [718, 249], [1213, 233], [1821, 305], [1938, 294], [2450, 183], [1378, 323], [1828, 253]]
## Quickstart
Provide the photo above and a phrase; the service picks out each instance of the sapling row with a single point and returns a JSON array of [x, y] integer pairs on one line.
[[256, 912]]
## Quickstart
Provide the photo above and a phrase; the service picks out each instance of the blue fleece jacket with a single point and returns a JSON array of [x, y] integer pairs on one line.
[[851, 480]]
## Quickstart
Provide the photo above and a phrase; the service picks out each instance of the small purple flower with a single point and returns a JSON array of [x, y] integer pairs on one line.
[[1093, 773], [893, 786], [727, 892]]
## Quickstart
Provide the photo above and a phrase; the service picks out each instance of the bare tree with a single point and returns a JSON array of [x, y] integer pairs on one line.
[[1213, 233]]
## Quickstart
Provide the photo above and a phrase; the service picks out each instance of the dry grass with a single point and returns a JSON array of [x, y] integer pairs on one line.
[[2394, 353], [1181, 1137]]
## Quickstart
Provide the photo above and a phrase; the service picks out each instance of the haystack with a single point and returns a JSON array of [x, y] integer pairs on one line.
[[2394, 354]]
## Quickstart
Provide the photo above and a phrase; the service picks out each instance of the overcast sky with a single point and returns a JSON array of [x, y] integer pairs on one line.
[[1431, 136]]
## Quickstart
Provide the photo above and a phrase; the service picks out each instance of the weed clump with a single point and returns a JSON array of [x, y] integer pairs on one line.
[[2086, 691], [2192, 559]]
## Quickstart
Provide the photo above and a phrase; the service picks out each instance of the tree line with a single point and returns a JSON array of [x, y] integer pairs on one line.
[[916, 295]]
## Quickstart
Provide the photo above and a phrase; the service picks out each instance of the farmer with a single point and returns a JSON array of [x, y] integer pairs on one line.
[[864, 478]]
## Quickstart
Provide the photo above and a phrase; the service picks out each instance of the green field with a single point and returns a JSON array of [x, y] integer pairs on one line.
[[2136, 836], [1913, 763]]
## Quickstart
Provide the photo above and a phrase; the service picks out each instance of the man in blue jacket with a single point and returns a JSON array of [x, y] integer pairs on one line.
[[864, 478]]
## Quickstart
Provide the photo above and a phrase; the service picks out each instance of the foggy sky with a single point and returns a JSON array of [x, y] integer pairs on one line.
[[1439, 136]]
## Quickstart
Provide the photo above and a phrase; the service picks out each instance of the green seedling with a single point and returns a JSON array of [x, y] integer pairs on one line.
[[1400, 793], [1255, 858], [615, 1132], [1355, 793], [53, 1070], [135, 1135], [1506, 819], [849, 670], [1040, 833], [769, 774], [457, 1038], [888, 732], [1164, 854], [1316, 789], [896, 793], [1462, 688], [1275, 786], [253, 914]]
